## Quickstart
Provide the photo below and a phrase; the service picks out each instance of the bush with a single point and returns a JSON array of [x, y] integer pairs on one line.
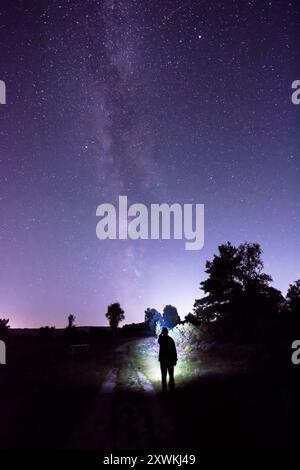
[[4, 326], [133, 329], [187, 336], [46, 332]]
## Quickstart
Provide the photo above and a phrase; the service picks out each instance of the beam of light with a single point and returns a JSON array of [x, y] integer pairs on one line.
[[145, 356]]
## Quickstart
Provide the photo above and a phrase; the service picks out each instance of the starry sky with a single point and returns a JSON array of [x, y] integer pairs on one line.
[[162, 101]]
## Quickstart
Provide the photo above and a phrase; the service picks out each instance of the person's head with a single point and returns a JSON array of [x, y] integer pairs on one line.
[[164, 331]]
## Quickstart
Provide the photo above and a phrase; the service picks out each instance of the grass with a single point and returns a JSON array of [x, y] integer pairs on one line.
[[145, 355], [219, 402], [44, 392]]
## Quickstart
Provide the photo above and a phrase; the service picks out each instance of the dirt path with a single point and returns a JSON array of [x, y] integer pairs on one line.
[[127, 412]]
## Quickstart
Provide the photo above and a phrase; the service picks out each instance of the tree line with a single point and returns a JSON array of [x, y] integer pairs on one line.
[[239, 304]]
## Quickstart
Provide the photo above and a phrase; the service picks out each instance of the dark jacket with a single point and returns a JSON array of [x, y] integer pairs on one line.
[[167, 350]]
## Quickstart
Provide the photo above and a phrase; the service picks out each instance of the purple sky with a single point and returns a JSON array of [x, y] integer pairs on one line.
[[171, 101]]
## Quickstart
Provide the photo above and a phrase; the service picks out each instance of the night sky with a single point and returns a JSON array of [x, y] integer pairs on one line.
[[162, 101]]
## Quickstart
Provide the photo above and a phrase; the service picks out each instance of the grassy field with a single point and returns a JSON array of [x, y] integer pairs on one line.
[[44, 392], [225, 400], [220, 401], [145, 355]]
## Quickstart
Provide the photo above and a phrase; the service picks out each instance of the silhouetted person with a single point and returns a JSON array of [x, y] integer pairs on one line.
[[167, 358]]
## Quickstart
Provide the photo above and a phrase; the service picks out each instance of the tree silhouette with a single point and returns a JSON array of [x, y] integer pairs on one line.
[[292, 310], [71, 321], [115, 315], [191, 318], [70, 330], [152, 317], [4, 325], [170, 316], [220, 286], [293, 298], [239, 302], [46, 332]]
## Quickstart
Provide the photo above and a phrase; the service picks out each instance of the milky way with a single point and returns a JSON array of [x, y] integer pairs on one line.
[[169, 101]]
